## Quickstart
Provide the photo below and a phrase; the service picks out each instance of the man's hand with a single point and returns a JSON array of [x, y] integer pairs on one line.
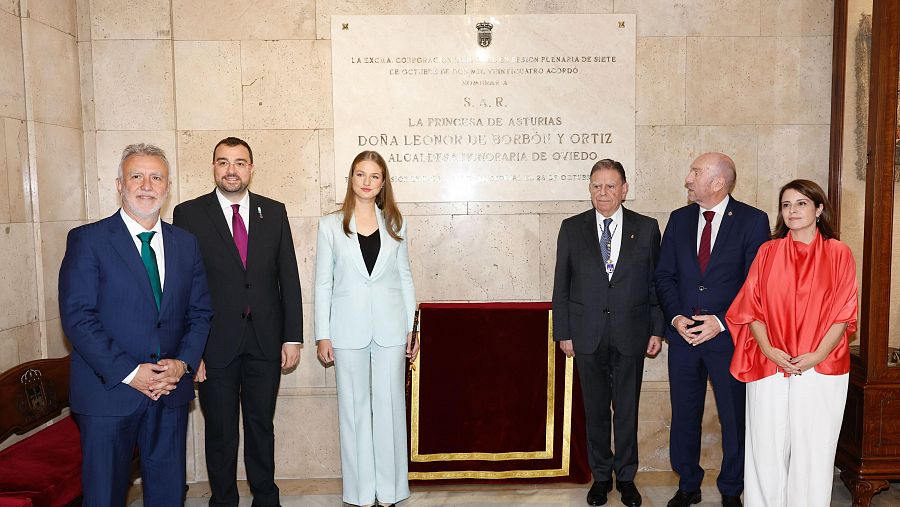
[[567, 348], [325, 352], [681, 324], [200, 375], [412, 347], [290, 355], [654, 346], [142, 380], [168, 373], [708, 329]]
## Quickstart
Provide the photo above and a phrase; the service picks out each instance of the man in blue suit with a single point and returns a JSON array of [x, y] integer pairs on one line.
[[134, 303], [705, 255]]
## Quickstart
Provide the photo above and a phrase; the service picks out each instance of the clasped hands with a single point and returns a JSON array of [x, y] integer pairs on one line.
[[792, 365], [708, 328], [158, 379]]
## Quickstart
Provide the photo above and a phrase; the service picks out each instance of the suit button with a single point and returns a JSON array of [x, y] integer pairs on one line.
[[243, 315], [158, 325], [606, 311], [611, 286], [247, 286], [701, 288], [154, 356]]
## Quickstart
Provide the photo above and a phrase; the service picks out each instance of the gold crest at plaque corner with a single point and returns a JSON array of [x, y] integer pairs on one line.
[[484, 33]]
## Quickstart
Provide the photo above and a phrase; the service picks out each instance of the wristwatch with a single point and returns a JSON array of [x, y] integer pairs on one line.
[[187, 368]]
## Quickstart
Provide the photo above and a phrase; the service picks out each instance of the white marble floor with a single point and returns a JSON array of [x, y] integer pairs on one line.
[[655, 495]]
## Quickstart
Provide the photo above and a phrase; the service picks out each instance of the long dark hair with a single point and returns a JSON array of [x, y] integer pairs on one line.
[[811, 190], [393, 220]]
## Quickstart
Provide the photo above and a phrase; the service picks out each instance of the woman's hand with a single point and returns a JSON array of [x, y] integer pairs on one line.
[[412, 347], [781, 359], [806, 361], [325, 352]]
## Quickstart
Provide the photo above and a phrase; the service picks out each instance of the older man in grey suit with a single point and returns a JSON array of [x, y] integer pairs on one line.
[[605, 313]]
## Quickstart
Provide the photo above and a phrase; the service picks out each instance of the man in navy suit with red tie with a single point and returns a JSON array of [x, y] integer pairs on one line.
[[135, 305], [705, 255]]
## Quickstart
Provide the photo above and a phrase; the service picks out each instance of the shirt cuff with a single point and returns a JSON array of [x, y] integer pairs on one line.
[[721, 327], [291, 343], [674, 319], [130, 377]]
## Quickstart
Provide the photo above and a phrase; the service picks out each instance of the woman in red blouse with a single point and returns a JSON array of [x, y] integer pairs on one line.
[[790, 324]]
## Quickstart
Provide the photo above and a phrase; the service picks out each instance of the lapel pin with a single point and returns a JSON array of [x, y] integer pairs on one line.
[[730, 213], [632, 236], [259, 211]]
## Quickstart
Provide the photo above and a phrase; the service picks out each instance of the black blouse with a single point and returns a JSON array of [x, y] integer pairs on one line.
[[369, 246]]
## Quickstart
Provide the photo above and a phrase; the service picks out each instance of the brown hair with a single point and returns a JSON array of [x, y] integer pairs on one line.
[[393, 220], [609, 164], [814, 192], [231, 142]]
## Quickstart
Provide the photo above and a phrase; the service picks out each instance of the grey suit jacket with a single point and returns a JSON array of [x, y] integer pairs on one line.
[[588, 307]]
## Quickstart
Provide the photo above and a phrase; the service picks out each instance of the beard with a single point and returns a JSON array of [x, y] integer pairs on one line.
[[232, 187], [133, 205]]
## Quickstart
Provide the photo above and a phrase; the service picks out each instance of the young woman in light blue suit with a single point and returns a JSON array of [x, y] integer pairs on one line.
[[365, 304]]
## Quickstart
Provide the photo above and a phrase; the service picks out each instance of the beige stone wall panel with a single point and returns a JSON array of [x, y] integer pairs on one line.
[[15, 202], [303, 232], [57, 344], [664, 155], [507, 249], [18, 274], [83, 20], [327, 187], [60, 174], [660, 80], [326, 8], [673, 18], [53, 74], [758, 80], [540, 7], [241, 20], [12, 79], [549, 234], [787, 152], [59, 14], [19, 344], [86, 80], [285, 166], [130, 19], [796, 17], [109, 152], [740, 143], [133, 88], [208, 85], [286, 84], [10, 6], [309, 372], [53, 248]]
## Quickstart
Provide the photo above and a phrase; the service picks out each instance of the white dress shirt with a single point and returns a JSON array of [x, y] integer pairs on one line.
[[156, 243], [615, 228]]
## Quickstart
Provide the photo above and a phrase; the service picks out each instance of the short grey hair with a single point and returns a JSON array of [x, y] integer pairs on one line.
[[145, 149]]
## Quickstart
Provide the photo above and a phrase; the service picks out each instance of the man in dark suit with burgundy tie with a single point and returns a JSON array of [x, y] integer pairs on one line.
[[257, 327], [605, 313], [706, 253]]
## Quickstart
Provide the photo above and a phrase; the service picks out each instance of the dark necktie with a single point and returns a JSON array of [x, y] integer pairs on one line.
[[705, 240], [239, 231], [148, 256], [606, 240]]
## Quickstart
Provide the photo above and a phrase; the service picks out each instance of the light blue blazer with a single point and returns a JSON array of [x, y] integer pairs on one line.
[[353, 307]]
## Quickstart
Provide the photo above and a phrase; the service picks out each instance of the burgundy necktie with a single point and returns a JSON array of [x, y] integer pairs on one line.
[[705, 240], [239, 230]]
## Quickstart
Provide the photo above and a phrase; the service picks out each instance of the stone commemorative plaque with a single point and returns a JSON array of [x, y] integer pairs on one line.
[[485, 108]]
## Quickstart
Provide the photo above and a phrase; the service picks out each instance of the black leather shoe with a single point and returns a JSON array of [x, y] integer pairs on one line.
[[684, 498], [598, 492], [630, 495], [731, 501]]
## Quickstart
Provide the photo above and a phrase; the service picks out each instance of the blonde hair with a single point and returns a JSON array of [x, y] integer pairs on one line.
[[393, 220]]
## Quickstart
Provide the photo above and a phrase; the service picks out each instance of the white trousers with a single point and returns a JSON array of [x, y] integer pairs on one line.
[[793, 425], [372, 417]]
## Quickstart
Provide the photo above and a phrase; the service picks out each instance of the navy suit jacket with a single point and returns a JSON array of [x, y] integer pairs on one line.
[[680, 286], [109, 314]]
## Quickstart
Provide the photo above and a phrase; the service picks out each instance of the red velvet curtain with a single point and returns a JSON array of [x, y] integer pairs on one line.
[[493, 398]]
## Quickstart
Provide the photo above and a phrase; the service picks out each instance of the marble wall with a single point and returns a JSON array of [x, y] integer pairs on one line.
[[751, 79]]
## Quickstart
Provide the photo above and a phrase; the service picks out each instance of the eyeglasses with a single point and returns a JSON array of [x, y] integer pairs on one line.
[[223, 164]]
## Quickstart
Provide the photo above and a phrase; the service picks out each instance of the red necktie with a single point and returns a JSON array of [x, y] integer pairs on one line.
[[705, 240], [239, 231]]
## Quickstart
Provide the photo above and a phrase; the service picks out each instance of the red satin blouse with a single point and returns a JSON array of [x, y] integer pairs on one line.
[[798, 292]]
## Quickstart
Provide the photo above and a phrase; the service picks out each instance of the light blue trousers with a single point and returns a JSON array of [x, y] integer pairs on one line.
[[372, 416]]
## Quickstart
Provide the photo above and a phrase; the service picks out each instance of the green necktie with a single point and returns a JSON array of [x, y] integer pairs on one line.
[[149, 258]]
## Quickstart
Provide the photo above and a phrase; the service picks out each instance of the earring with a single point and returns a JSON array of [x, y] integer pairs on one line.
[[817, 218]]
